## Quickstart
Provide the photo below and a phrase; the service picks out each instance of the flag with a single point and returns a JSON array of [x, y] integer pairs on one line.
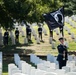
[[55, 19]]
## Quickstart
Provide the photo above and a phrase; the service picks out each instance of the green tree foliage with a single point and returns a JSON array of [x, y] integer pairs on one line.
[[43, 6], [70, 7], [28, 10], [5, 19]]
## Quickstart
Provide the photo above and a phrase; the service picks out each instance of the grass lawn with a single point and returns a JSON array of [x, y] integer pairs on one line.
[[6, 61]]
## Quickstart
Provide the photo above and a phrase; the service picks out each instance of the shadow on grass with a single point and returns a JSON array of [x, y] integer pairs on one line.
[[42, 41], [6, 61], [11, 49]]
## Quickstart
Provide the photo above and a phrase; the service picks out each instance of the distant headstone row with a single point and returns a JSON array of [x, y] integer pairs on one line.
[[73, 17], [70, 21]]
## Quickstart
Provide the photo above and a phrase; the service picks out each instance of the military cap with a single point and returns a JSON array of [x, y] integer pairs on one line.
[[61, 38]]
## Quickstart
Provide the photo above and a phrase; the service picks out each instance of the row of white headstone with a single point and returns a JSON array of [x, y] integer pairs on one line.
[[22, 65], [29, 70], [69, 20], [71, 63], [36, 60], [14, 70], [60, 35], [0, 63], [70, 33], [66, 29], [52, 66], [73, 17], [69, 69]]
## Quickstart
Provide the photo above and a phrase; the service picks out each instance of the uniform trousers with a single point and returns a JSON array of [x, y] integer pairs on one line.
[[40, 35], [62, 63]]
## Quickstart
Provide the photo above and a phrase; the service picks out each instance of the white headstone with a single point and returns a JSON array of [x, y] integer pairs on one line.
[[66, 28], [73, 25], [70, 22], [25, 41], [75, 18], [33, 71], [66, 44], [38, 41], [23, 34], [40, 72], [35, 35], [50, 73], [15, 71], [67, 19], [69, 32], [72, 17], [50, 58], [75, 39], [71, 73], [60, 35], [44, 31], [60, 71], [20, 29], [19, 74], [70, 58], [12, 38], [50, 40], [72, 35], [53, 45], [57, 32], [67, 69], [26, 68]]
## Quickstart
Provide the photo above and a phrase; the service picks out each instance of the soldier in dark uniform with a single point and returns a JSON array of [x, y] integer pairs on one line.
[[62, 56], [28, 31], [6, 36], [40, 32], [17, 35]]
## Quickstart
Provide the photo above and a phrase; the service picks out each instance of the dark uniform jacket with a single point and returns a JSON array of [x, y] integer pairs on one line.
[[61, 49], [40, 30], [6, 34], [17, 32], [28, 30]]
